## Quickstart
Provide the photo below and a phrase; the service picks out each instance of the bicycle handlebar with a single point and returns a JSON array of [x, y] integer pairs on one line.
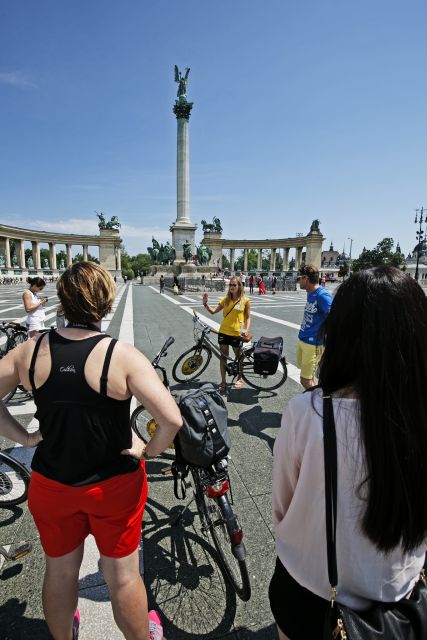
[[163, 350]]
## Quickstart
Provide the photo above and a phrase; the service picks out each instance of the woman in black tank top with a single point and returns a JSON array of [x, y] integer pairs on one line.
[[88, 476]]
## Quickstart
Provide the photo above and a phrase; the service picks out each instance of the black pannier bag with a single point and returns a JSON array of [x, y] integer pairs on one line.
[[203, 438], [267, 354]]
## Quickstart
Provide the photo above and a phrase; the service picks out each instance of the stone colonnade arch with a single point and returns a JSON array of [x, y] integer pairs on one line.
[[312, 243], [108, 242]]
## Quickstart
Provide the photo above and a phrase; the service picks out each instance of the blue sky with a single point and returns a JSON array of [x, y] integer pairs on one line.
[[302, 110]]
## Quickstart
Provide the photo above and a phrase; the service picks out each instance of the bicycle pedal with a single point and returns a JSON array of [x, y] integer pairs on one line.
[[19, 550]]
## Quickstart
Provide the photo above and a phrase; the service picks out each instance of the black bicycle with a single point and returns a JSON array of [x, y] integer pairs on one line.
[[191, 364], [14, 481], [212, 495], [12, 334]]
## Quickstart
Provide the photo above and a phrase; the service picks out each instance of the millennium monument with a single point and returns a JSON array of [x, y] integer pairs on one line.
[[183, 231]]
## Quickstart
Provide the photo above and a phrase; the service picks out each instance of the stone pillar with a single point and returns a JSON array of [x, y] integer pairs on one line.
[[85, 252], [69, 255], [21, 253], [259, 265], [286, 259], [232, 252], [298, 258], [119, 258], [7, 253], [52, 255], [314, 248], [273, 260], [245, 260], [35, 247], [183, 172], [182, 230]]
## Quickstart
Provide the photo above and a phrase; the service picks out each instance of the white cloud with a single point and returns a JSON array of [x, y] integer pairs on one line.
[[16, 79], [135, 239]]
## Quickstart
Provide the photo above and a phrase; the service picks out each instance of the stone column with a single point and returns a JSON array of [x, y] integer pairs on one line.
[[119, 258], [259, 265], [52, 255], [85, 252], [183, 172], [286, 259], [273, 260], [182, 229], [232, 252], [298, 258], [35, 247], [21, 252], [245, 260], [69, 255], [7, 253]]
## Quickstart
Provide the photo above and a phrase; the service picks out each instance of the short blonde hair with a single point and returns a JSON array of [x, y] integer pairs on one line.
[[86, 291]]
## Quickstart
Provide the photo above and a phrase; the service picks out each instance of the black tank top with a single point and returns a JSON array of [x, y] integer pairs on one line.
[[83, 431]]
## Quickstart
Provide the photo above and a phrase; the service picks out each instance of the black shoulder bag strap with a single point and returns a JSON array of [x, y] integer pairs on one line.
[[330, 457], [228, 312]]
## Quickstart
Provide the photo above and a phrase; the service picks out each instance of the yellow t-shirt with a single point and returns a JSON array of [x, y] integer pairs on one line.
[[233, 316]]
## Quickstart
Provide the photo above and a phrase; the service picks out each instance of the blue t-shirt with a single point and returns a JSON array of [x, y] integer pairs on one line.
[[316, 309]]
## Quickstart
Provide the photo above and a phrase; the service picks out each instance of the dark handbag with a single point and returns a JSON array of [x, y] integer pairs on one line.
[[403, 620]]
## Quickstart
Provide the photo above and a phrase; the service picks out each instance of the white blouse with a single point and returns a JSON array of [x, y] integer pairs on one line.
[[364, 573]]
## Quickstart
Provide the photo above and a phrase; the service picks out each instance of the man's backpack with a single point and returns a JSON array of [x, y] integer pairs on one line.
[[203, 438], [267, 354]]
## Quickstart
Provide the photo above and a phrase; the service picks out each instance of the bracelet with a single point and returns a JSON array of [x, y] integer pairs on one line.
[[145, 456]]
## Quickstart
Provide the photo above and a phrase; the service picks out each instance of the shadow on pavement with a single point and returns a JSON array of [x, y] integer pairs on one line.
[[14, 625], [184, 581]]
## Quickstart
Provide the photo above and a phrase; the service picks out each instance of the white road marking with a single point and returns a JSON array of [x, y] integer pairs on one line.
[[126, 330]]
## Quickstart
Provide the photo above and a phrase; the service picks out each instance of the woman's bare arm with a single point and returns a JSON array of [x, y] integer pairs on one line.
[[144, 383], [9, 379], [28, 302]]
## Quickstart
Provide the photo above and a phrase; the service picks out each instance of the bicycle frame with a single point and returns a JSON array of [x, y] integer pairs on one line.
[[232, 365]]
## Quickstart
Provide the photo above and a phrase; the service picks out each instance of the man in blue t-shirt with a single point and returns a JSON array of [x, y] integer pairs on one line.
[[310, 344]]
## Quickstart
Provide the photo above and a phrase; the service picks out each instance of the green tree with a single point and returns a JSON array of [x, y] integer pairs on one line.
[[343, 270], [141, 263], [225, 262], [252, 261], [79, 258], [381, 255]]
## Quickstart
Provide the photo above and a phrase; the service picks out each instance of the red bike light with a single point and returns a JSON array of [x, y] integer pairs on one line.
[[237, 536], [217, 489]]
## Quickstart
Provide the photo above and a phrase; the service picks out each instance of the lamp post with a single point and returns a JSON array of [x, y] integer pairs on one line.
[[349, 267], [419, 234]]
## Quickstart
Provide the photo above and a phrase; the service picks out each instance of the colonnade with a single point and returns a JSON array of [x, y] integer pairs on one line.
[[108, 242], [274, 252], [312, 243]]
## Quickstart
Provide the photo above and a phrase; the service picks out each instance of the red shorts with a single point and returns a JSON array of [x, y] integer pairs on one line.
[[110, 510]]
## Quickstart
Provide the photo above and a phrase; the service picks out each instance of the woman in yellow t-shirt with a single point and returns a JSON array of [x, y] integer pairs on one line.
[[236, 308]]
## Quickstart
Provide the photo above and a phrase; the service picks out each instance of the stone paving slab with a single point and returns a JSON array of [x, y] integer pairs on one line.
[[183, 578]]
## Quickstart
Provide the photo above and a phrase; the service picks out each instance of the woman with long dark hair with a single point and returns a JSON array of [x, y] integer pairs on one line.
[[375, 368]]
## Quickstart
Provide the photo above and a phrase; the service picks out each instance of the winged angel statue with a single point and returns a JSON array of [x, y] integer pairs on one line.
[[182, 82]]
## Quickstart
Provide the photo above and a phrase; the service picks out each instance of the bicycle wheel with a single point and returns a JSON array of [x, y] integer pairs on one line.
[[14, 481], [145, 426], [216, 513], [260, 381], [191, 364]]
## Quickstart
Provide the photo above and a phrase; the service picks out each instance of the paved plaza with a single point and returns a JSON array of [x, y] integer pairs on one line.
[[183, 579]]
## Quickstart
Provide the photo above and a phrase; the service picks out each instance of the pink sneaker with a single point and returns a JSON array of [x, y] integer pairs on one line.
[[76, 625], [156, 628]]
